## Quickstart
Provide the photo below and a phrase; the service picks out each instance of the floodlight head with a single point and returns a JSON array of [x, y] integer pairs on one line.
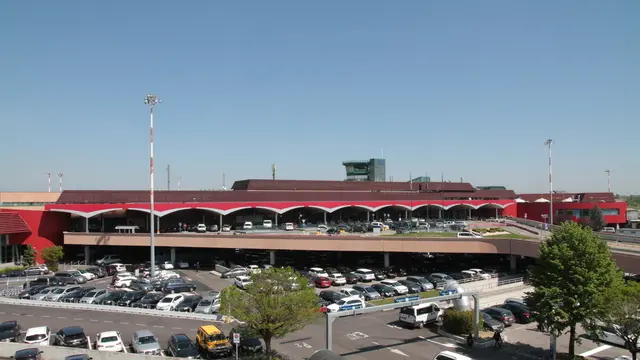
[[151, 100], [549, 142]]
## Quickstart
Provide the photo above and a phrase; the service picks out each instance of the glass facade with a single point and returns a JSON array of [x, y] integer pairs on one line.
[[366, 170], [580, 213], [24, 203]]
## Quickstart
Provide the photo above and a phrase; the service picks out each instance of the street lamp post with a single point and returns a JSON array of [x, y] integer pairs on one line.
[[151, 101], [608, 180], [549, 143]]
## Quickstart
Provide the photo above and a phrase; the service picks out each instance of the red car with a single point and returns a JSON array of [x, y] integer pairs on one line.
[[322, 282]]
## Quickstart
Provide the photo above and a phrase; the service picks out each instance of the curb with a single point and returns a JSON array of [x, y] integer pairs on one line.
[[479, 344]]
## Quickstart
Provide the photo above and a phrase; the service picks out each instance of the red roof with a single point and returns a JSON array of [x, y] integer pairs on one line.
[[12, 223]]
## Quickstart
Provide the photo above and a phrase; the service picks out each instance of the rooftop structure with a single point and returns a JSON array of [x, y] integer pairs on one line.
[[366, 170]]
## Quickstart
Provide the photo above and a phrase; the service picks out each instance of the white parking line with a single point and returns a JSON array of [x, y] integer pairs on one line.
[[62, 318], [78, 319], [93, 320], [158, 326], [29, 315], [124, 323], [46, 316], [595, 351], [143, 325], [108, 321], [14, 314], [176, 328]]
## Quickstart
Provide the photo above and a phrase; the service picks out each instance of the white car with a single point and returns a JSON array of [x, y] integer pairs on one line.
[[481, 274], [323, 227], [201, 228], [226, 228], [242, 282], [288, 227], [267, 224], [119, 267], [253, 269], [167, 265], [124, 281], [40, 336], [170, 302], [450, 355], [109, 341], [183, 265], [248, 225], [87, 275], [468, 234], [399, 288], [320, 272], [364, 275], [350, 292], [337, 279], [348, 303]]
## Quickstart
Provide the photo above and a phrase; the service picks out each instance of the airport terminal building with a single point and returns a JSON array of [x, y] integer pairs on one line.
[[42, 219]]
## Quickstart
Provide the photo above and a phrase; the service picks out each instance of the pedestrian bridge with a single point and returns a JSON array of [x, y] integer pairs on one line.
[[627, 257]]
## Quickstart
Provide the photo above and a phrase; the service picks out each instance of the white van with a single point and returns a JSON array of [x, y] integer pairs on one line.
[[468, 234], [248, 225], [288, 227], [421, 314], [450, 355], [364, 275], [267, 224]]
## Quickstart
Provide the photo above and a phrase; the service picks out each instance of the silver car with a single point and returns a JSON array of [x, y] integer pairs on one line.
[[144, 342], [56, 294], [44, 292], [94, 296], [208, 305]]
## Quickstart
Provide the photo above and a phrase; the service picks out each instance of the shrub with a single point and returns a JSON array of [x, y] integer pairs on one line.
[[11, 268], [459, 322], [29, 256], [52, 256]]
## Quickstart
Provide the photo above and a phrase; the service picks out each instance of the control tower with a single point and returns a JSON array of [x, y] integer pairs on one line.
[[366, 170]]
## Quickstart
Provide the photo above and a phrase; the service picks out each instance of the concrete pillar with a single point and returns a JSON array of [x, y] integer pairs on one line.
[[3, 241], [386, 260], [276, 221], [87, 255], [272, 258], [173, 255], [497, 213], [325, 218], [439, 213], [406, 214], [86, 224], [368, 216], [513, 263], [158, 224], [101, 222], [469, 213], [476, 315], [220, 227]]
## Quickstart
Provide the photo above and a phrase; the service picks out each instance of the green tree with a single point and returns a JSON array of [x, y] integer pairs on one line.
[[29, 255], [622, 315], [277, 303], [571, 278], [52, 256], [596, 218]]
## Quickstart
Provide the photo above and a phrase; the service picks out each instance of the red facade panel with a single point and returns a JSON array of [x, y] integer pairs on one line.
[[46, 229], [534, 211]]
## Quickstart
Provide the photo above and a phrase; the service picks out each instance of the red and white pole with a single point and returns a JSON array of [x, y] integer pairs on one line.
[[151, 100]]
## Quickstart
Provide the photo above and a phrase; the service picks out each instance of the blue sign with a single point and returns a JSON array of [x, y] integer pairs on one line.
[[448, 292], [399, 300], [350, 307], [413, 297]]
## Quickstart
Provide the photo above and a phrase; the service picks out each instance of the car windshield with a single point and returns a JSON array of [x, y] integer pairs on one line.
[[365, 271], [217, 337], [91, 294], [446, 277], [167, 300], [152, 296], [108, 339], [338, 276], [146, 340], [58, 291], [393, 283], [370, 289], [184, 344], [114, 295], [129, 295], [420, 280], [35, 337], [204, 303], [45, 291]]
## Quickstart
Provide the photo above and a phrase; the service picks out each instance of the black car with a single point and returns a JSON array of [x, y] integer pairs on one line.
[[113, 297], [28, 354], [332, 231], [26, 294], [414, 288], [249, 343], [72, 336], [390, 273], [173, 288], [500, 314], [17, 273], [330, 295], [78, 357], [384, 290], [359, 229], [189, 303], [522, 313], [344, 270], [10, 331], [131, 297], [351, 279], [491, 324], [181, 346], [75, 296], [379, 274], [400, 271], [98, 272], [148, 301], [141, 284]]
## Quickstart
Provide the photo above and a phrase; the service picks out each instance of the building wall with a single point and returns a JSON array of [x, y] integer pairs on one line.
[[569, 211], [511, 210], [47, 229]]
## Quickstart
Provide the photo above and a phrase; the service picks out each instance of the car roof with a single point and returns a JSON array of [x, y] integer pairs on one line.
[[181, 337], [72, 330], [36, 330], [363, 269], [27, 352], [10, 322], [108, 334], [210, 329], [242, 277], [141, 333]]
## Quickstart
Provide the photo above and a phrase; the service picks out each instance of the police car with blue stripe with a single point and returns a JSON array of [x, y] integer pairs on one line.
[[347, 303]]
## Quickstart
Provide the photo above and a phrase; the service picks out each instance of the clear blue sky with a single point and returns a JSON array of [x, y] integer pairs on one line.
[[469, 89]]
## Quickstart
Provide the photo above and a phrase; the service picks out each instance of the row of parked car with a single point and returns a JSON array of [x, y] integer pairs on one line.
[[210, 340]]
